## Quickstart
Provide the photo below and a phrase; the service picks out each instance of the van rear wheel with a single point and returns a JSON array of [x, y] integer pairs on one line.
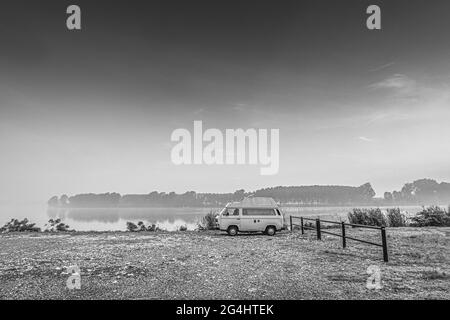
[[270, 231], [232, 231]]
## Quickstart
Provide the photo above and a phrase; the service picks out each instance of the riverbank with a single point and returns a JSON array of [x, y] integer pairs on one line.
[[211, 265]]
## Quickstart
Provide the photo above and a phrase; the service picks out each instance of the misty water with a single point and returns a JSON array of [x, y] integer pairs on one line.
[[171, 219]]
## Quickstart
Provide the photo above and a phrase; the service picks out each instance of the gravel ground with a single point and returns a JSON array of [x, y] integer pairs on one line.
[[212, 265]]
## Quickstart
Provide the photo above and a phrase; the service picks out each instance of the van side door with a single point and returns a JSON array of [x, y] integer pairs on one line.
[[260, 218], [248, 221]]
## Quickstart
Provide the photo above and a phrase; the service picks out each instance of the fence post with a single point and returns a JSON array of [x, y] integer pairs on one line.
[[344, 242], [290, 218], [319, 236], [383, 239], [301, 225]]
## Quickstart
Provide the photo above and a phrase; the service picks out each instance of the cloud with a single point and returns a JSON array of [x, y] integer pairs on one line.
[[394, 82], [365, 139], [384, 66], [387, 116], [240, 106], [199, 111]]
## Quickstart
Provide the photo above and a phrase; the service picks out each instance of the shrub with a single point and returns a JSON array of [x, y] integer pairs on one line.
[[396, 218], [152, 228], [56, 226], [368, 217], [140, 227], [182, 228], [208, 222], [19, 226], [433, 216], [131, 227], [61, 227]]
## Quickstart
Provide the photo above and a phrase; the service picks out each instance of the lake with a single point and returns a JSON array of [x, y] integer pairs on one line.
[[111, 219]]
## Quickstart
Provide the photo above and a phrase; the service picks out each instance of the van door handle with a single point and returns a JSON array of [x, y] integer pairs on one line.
[[238, 218]]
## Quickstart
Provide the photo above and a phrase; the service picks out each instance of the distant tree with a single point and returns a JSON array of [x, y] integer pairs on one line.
[[408, 191], [53, 201], [367, 191], [426, 190], [64, 200], [397, 196], [239, 194], [388, 196], [91, 200], [423, 191]]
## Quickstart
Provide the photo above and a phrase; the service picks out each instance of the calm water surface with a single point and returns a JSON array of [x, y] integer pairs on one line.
[[170, 219]]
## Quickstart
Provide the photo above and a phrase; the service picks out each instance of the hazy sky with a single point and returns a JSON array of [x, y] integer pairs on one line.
[[93, 110]]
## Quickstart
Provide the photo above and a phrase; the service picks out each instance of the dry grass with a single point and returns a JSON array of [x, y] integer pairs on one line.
[[211, 265]]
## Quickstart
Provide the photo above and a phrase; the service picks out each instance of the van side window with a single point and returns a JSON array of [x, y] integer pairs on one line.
[[258, 212]]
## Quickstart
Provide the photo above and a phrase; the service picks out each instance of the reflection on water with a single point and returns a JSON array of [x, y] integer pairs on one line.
[[170, 219], [103, 219]]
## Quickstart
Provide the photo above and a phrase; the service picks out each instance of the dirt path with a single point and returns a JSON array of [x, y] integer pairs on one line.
[[211, 265]]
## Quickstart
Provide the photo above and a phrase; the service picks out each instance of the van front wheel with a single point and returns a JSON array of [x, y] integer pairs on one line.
[[270, 231], [232, 231]]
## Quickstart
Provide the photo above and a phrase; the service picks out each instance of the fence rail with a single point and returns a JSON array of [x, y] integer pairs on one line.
[[319, 231]]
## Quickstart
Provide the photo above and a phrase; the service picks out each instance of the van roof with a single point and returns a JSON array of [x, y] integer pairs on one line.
[[254, 202]]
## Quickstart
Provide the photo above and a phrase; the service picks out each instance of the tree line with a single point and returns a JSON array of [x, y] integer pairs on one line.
[[424, 191]]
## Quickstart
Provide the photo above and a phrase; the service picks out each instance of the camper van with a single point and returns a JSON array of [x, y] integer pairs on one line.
[[251, 215]]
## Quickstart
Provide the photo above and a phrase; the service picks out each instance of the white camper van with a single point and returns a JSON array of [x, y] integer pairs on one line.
[[251, 215]]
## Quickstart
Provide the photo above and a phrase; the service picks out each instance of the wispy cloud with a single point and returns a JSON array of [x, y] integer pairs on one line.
[[365, 139], [199, 111], [240, 106], [384, 66], [395, 82]]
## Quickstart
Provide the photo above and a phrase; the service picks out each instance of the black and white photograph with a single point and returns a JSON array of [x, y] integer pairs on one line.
[[244, 151]]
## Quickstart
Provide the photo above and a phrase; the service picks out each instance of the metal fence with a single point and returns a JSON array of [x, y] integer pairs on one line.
[[319, 231]]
